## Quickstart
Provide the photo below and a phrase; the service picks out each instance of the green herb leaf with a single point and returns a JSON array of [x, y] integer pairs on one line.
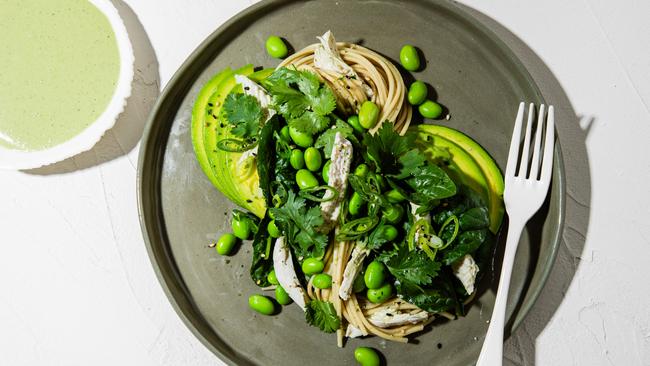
[[384, 148], [378, 237], [301, 99], [266, 158], [433, 300], [245, 115], [326, 139], [301, 226], [322, 314], [413, 267], [474, 219]]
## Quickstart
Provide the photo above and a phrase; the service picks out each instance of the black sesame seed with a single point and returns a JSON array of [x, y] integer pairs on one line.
[[439, 345]]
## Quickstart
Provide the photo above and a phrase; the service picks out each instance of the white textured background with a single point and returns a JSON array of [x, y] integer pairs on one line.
[[77, 287]]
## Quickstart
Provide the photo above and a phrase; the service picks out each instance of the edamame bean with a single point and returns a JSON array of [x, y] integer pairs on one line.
[[273, 230], [359, 283], [273, 280], [302, 139], [430, 109], [354, 122], [393, 214], [305, 179], [326, 171], [281, 296], [366, 356], [368, 115], [395, 196], [312, 266], [297, 159], [355, 204], [377, 296], [241, 228], [375, 275], [276, 47], [417, 93], [226, 243], [261, 304], [390, 232], [284, 133], [409, 58], [322, 281], [313, 159], [361, 170]]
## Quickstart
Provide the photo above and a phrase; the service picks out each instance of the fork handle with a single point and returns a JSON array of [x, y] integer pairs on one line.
[[492, 350]]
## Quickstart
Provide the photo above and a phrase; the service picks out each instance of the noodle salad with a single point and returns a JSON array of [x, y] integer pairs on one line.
[[370, 224]]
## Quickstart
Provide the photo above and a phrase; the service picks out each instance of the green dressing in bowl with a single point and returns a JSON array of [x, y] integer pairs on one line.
[[59, 68]]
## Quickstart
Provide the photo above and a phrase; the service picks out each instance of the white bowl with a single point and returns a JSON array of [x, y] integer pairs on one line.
[[86, 139]]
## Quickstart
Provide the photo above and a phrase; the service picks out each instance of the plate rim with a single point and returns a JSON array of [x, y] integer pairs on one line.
[[194, 58]]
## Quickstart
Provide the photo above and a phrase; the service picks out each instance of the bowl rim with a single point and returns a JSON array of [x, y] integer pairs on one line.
[[223, 352], [87, 138]]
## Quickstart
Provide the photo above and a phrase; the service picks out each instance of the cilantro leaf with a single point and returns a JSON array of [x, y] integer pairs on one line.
[[413, 267], [326, 139], [379, 236], [322, 314], [301, 224], [245, 115], [301, 99]]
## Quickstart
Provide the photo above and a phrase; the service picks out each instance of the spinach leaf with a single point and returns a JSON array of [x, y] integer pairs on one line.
[[412, 267], [262, 264], [434, 300], [474, 219], [266, 158], [430, 184], [466, 243]]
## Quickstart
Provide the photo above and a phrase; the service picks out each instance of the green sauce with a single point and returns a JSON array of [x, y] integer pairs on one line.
[[59, 66]]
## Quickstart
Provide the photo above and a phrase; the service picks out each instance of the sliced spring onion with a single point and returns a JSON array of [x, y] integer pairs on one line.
[[455, 233], [307, 193], [356, 228]]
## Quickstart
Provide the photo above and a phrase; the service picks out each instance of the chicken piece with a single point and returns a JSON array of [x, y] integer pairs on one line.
[[466, 269], [391, 317], [338, 178], [352, 269], [353, 332], [286, 274]]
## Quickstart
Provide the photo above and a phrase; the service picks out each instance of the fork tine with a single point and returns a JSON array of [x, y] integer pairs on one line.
[[547, 163], [523, 164], [534, 167], [511, 166]]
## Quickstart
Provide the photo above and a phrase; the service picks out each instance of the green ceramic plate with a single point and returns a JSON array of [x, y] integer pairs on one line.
[[475, 76]]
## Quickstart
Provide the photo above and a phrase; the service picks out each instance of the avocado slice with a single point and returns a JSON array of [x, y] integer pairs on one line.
[[200, 113], [475, 166], [223, 168]]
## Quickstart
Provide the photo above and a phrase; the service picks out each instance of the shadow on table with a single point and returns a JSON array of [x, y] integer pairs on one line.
[[145, 88], [573, 131]]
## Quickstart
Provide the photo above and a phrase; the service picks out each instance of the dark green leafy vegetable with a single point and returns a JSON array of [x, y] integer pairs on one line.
[[466, 242], [384, 148], [378, 237], [434, 300], [301, 99], [300, 224], [245, 115], [262, 263], [266, 158], [322, 315], [412, 267], [474, 219], [430, 184]]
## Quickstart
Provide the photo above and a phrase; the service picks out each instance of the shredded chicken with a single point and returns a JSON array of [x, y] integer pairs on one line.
[[391, 317], [466, 269], [352, 270], [353, 332], [286, 274], [338, 178]]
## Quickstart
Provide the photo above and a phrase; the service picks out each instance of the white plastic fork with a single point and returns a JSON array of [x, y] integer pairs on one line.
[[523, 195]]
